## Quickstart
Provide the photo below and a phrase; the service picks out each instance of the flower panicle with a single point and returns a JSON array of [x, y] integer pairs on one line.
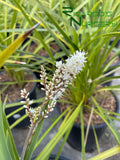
[[63, 76], [43, 77], [29, 111], [33, 113]]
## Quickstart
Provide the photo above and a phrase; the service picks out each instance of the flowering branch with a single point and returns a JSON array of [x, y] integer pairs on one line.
[[63, 76]]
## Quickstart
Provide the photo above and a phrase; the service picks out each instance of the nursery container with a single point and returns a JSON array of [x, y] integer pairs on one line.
[[52, 157], [74, 138]]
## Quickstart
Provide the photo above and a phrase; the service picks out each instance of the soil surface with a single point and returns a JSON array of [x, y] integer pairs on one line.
[[54, 48], [105, 99], [13, 91]]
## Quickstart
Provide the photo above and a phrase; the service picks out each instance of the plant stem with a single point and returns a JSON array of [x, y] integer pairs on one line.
[[88, 126], [27, 141], [30, 133]]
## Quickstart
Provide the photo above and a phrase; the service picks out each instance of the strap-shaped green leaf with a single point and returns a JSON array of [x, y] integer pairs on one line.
[[107, 154], [49, 147], [7, 146], [12, 47]]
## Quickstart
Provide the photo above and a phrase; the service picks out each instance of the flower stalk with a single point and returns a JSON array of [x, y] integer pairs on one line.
[[63, 76]]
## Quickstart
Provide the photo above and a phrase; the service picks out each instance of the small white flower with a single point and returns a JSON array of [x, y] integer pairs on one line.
[[22, 101], [62, 90], [49, 106], [25, 106], [28, 99], [30, 102], [32, 110], [66, 76], [24, 93], [43, 89], [42, 113], [46, 116], [89, 80], [24, 90], [46, 111], [59, 64], [58, 95], [27, 94], [52, 109]]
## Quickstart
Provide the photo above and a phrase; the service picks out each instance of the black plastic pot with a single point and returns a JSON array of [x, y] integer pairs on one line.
[[26, 121], [52, 157], [74, 138]]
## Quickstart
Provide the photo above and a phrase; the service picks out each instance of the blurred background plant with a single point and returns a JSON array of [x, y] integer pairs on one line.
[[16, 64]]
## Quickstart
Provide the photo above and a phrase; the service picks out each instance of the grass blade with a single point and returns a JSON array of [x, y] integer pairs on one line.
[[107, 154], [12, 47]]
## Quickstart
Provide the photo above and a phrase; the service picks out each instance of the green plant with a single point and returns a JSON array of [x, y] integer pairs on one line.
[[62, 78], [92, 39], [12, 25], [75, 37]]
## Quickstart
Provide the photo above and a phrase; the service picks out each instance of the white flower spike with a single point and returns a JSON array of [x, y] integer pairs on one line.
[[63, 76]]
